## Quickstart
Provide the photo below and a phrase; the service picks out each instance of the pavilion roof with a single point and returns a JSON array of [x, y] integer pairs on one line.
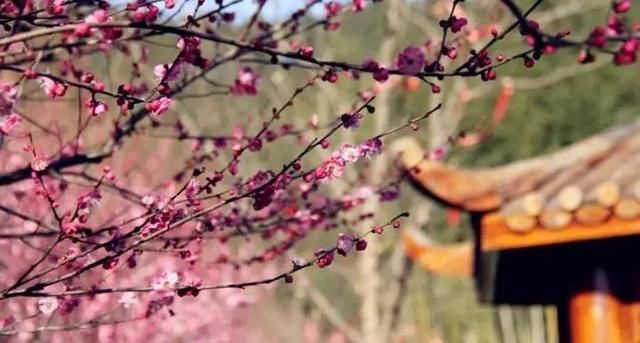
[[587, 183]]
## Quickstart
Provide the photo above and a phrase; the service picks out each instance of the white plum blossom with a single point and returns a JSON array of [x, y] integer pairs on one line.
[[128, 299], [166, 280], [48, 305], [160, 71]]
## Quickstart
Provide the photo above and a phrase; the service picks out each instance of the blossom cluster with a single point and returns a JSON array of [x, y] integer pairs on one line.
[[333, 167]]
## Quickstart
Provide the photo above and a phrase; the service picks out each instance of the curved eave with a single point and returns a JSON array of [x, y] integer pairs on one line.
[[470, 191], [445, 260], [602, 170]]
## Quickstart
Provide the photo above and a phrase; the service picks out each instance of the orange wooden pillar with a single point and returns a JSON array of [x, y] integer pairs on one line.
[[596, 314]]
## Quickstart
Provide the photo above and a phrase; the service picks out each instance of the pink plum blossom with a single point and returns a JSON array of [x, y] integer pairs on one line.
[[98, 16], [39, 163], [345, 244], [410, 60], [8, 95], [8, 123], [52, 88], [247, 82], [159, 106]]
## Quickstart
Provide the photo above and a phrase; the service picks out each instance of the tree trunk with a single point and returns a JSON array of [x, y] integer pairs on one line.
[[368, 264]]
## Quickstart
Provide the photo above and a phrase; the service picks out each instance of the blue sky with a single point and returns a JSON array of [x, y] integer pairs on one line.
[[273, 10]]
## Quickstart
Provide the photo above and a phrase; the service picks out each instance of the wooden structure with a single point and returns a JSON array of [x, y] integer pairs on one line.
[[561, 229]]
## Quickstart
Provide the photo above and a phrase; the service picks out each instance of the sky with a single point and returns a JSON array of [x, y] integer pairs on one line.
[[273, 10]]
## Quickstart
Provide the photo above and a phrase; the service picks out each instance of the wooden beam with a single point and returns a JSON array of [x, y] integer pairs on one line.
[[495, 233]]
